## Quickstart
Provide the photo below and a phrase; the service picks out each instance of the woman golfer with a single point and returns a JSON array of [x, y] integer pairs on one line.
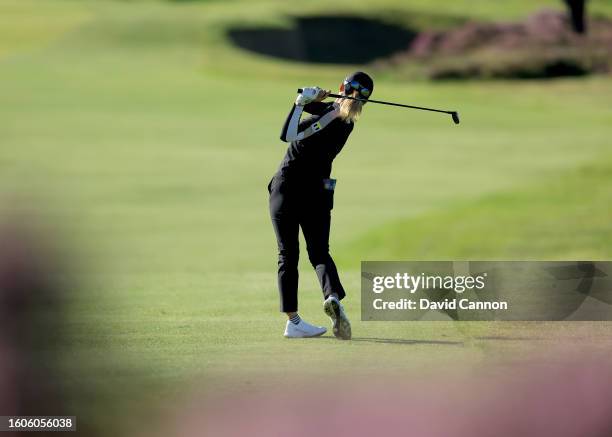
[[302, 193]]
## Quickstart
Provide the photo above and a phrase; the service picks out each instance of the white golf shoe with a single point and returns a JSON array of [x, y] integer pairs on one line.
[[303, 330], [334, 309]]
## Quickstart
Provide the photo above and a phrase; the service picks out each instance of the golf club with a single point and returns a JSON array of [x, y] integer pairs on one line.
[[453, 114]]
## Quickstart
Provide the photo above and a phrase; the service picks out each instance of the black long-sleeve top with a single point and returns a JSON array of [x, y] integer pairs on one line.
[[311, 158]]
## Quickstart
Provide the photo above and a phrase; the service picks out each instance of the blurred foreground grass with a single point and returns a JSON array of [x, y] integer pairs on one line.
[[152, 140]]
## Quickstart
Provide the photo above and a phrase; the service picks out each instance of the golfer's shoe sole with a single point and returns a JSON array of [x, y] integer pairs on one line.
[[341, 324]]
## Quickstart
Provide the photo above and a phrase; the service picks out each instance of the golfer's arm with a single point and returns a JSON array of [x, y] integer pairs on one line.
[[315, 108], [290, 128]]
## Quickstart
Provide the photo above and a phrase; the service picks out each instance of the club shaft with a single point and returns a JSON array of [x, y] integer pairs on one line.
[[390, 103], [338, 96]]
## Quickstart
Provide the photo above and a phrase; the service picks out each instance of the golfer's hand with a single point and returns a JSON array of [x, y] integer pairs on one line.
[[311, 94], [323, 94]]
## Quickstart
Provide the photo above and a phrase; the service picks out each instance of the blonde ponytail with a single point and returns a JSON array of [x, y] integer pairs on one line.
[[349, 110]]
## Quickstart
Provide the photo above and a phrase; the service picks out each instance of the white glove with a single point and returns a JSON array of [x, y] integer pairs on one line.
[[309, 94]]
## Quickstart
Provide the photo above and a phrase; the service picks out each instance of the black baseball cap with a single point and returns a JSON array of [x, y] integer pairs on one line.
[[363, 80]]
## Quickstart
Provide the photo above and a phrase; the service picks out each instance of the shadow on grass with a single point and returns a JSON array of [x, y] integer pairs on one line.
[[398, 341], [499, 338], [405, 341], [337, 39]]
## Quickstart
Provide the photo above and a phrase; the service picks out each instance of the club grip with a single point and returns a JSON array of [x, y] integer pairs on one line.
[[300, 90]]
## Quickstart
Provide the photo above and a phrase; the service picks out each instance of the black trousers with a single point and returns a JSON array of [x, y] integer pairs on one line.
[[295, 205]]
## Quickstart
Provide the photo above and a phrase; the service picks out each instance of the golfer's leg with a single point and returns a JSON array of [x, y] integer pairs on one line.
[[288, 256], [286, 228], [315, 227]]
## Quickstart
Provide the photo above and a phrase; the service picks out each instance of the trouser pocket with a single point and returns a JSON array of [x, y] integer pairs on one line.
[[329, 185]]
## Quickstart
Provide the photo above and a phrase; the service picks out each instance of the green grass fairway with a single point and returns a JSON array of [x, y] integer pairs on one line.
[[149, 140]]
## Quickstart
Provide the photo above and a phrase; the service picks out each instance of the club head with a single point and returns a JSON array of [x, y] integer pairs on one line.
[[455, 116]]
